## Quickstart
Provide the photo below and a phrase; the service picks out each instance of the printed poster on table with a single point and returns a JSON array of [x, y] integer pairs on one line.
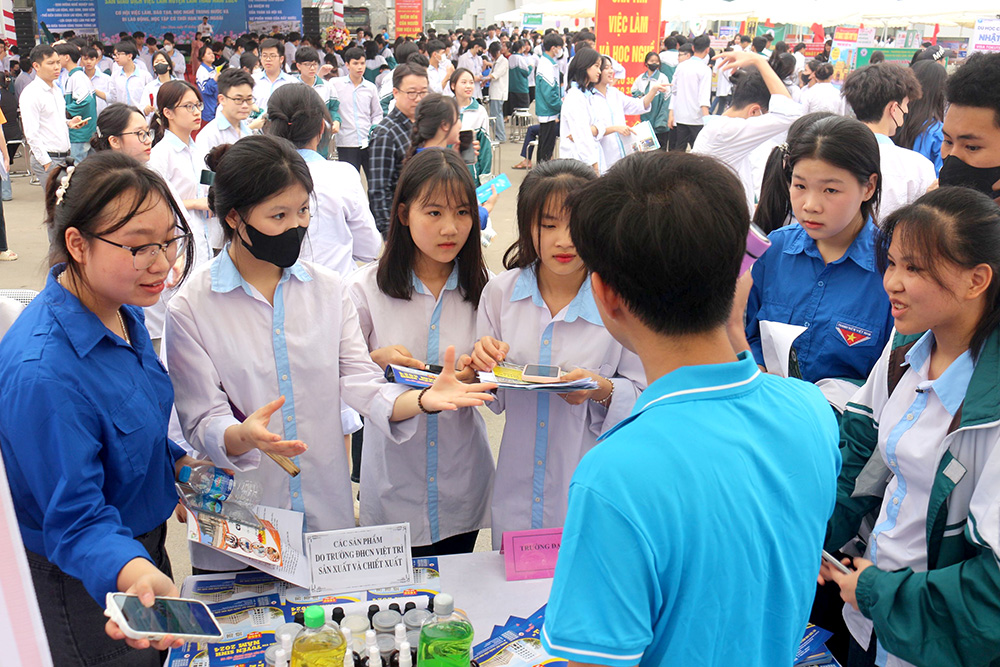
[[986, 36], [627, 30], [409, 17]]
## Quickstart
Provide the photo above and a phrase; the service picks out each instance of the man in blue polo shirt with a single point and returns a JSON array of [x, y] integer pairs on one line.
[[694, 530]]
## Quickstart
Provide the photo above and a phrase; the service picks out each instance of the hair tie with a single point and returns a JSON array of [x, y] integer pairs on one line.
[[64, 185], [289, 123], [783, 147]]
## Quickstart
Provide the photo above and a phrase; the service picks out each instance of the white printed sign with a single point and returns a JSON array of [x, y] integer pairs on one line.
[[986, 36], [358, 559]]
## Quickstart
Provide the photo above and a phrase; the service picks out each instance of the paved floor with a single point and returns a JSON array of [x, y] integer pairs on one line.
[[26, 236]]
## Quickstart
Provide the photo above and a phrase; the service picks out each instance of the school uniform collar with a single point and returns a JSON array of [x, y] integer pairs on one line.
[[223, 124], [226, 277], [310, 155], [861, 251], [207, 66], [175, 142], [953, 384], [710, 381], [82, 327], [73, 71], [883, 139], [473, 105], [582, 305], [450, 284]]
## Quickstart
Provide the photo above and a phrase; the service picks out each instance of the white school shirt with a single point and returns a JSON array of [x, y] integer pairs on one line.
[[732, 140], [43, 119], [822, 97], [611, 109], [545, 437], [906, 175], [101, 82], [342, 227], [576, 120], [475, 65], [220, 131], [127, 88], [440, 480], [228, 347], [264, 87], [692, 90], [148, 96], [912, 434], [177, 64], [435, 80], [360, 111], [181, 164]]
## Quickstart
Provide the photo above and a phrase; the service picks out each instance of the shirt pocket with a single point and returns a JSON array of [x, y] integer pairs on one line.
[[135, 426]]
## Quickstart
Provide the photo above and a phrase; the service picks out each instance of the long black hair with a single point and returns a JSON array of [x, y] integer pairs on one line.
[[433, 112], [112, 122], [169, 96], [955, 225], [584, 59], [545, 186], [426, 173], [842, 142], [927, 110]]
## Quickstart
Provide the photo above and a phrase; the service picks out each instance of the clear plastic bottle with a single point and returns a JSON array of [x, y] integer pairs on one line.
[[446, 638], [318, 645], [226, 510], [219, 484]]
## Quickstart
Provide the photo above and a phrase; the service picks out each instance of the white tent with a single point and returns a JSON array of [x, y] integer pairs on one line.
[[579, 9], [905, 12]]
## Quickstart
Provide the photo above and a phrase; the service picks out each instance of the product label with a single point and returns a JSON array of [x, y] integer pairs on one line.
[[222, 485]]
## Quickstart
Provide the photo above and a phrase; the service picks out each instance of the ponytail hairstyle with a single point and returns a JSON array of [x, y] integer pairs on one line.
[[433, 112], [251, 171], [112, 122], [842, 142], [296, 113], [169, 96], [92, 196], [821, 71], [426, 174], [545, 186], [950, 225], [456, 75]]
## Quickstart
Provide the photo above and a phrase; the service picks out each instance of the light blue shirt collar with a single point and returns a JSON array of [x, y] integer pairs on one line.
[[310, 155], [951, 386], [176, 142], [226, 277], [582, 305], [223, 124], [883, 139], [450, 284]]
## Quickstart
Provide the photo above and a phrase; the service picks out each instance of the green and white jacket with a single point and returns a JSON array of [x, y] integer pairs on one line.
[[950, 614]]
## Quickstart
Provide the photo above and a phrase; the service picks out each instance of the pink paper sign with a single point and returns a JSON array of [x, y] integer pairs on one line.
[[531, 554]]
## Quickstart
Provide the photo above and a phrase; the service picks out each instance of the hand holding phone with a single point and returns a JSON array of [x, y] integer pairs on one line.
[[187, 620], [541, 373], [829, 558]]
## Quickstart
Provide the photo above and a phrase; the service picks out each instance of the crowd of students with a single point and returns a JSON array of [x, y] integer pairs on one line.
[[199, 225]]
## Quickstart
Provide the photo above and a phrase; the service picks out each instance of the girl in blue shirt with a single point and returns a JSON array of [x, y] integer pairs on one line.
[[84, 406], [820, 273], [923, 129]]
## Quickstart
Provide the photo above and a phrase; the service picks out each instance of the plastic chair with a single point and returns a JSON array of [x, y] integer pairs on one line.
[[495, 169], [520, 121]]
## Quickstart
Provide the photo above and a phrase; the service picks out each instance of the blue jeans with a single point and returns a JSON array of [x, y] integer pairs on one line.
[[78, 151], [496, 111], [7, 190]]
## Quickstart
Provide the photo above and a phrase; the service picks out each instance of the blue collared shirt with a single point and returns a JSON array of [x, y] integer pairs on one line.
[[842, 304], [83, 432], [695, 524]]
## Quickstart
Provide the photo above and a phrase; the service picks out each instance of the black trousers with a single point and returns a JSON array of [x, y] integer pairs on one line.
[[463, 543], [358, 157], [664, 139], [683, 135], [547, 133], [74, 621]]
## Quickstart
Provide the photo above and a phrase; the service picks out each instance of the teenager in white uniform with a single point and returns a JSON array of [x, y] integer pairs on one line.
[[161, 70], [418, 299], [610, 106], [541, 311], [579, 135], [260, 334]]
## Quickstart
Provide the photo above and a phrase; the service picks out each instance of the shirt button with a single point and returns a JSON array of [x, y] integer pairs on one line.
[[284, 377], [538, 500], [431, 443], [432, 479], [277, 331], [289, 418], [539, 462], [820, 283], [541, 424], [806, 324], [434, 327], [909, 417], [895, 501], [295, 495], [545, 342]]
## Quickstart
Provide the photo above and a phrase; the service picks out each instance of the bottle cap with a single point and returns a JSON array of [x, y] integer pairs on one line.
[[374, 657], [337, 614], [400, 632], [444, 604], [385, 621], [415, 618], [409, 606], [185, 475], [370, 638], [314, 617], [405, 657], [281, 658]]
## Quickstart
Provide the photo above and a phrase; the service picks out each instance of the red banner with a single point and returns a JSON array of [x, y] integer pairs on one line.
[[627, 30], [409, 17]]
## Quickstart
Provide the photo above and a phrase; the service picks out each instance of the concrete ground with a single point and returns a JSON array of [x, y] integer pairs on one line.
[[25, 235]]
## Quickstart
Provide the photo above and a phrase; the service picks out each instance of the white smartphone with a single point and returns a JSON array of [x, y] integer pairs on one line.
[[540, 373], [188, 620], [828, 557]]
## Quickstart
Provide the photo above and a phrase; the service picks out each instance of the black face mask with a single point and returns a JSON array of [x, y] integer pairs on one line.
[[653, 66], [161, 68], [956, 172], [281, 250]]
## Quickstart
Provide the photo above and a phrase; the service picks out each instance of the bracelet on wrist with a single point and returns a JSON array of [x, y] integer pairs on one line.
[[420, 403], [606, 401]]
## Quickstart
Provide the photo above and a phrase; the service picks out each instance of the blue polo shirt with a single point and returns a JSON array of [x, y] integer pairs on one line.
[[695, 527], [842, 304]]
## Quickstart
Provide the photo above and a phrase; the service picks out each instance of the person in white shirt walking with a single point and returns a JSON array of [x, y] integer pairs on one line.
[[498, 88], [692, 93], [880, 96], [235, 102], [163, 73], [176, 57], [440, 69], [817, 93], [78, 92], [128, 80], [204, 28], [43, 115], [360, 110], [273, 75], [579, 133], [100, 80], [472, 60]]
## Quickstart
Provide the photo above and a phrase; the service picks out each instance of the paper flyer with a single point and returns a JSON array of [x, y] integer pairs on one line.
[[261, 544], [248, 627], [507, 375], [643, 140], [776, 340]]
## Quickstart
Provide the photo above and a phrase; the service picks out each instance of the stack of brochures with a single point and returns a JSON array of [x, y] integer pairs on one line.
[[516, 643], [812, 651], [505, 376]]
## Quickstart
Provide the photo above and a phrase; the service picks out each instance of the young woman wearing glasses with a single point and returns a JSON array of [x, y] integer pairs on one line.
[[84, 407]]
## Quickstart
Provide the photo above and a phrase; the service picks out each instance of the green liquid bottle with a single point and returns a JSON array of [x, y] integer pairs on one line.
[[318, 645], [446, 638]]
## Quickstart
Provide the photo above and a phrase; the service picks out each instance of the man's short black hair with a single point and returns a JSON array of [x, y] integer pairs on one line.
[[745, 39], [40, 52], [552, 40], [405, 70], [306, 54], [67, 49], [759, 43], [128, 48], [670, 44], [646, 229], [686, 48], [272, 43], [749, 88], [435, 45], [701, 43], [232, 77], [354, 53], [975, 84], [868, 90]]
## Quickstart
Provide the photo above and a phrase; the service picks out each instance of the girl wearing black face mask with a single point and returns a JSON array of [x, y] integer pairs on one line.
[[262, 347], [161, 74], [660, 105]]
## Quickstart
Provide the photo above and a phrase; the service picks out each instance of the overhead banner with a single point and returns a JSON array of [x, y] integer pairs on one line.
[[529, 21], [62, 15], [986, 36], [409, 17], [627, 30], [269, 17]]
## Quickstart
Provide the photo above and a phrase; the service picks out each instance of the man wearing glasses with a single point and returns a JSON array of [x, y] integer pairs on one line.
[[307, 62], [235, 102], [391, 139], [273, 76]]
